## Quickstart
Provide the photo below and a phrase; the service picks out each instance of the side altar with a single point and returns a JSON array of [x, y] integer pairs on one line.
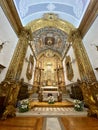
[[47, 91]]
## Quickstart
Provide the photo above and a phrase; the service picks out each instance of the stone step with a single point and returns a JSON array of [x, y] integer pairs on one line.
[[53, 109]]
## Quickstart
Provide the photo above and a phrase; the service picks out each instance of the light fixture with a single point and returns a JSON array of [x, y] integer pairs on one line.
[[1, 67], [1, 45], [95, 46]]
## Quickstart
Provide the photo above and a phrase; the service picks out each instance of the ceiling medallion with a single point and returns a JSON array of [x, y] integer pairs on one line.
[[49, 41], [50, 16], [51, 7]]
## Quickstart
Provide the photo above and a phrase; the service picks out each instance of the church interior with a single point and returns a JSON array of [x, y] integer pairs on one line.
[[48, 65]]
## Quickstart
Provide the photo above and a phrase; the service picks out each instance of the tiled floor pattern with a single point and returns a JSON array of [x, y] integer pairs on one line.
[[52, 111]]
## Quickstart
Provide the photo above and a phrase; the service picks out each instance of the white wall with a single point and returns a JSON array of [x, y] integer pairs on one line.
[[74, 67], [23, 74], [90, 40], [6, 34]]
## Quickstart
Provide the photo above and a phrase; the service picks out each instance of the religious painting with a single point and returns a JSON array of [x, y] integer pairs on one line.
[[49, 41], [30, 68], [69, 69]]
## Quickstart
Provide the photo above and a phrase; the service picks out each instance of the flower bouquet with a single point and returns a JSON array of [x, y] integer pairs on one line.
[[51, 100], [24, 105], [78, 105]]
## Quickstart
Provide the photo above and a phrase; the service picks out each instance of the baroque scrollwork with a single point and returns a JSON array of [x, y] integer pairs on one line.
[[30, 68], [10, 93], [90, 93], [15, 68], [50, 20], [69, 69]]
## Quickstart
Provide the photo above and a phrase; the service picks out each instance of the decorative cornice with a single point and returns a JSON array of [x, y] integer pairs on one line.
[[41, 23], [74, 34], [89, 17], [12, 15]]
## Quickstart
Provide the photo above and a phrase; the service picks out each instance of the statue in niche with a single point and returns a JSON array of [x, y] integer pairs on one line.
[[30, 68], [69, 69], [59, 43]]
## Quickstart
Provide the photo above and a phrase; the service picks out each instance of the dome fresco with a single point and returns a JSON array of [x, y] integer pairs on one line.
[[49, 38], [68, 10]]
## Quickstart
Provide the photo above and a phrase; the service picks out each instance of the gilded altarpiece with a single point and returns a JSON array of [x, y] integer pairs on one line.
[[49, 69]]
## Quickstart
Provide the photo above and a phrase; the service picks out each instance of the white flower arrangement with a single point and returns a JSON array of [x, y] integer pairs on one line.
[[24, 105], [78, 105], [51, 99]]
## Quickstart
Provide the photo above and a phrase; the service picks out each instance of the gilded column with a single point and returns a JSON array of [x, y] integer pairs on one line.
[[16, 64], [85, 68]]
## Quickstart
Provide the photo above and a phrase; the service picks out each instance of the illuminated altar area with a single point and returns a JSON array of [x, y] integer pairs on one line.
[[49, 75]]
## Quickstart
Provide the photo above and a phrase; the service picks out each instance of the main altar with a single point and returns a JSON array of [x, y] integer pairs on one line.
[[46, 91]]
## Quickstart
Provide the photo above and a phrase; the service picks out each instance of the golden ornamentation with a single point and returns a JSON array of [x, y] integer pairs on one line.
[[49, 41], [30, 68], [10, 111], [11, 92], [69, 70], [47, 22], [16, 64], [89, 95], [85, 68], [50, 16], [49, 68], [74, 34]]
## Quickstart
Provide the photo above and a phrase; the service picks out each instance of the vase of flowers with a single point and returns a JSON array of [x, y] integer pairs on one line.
[[78, 105]]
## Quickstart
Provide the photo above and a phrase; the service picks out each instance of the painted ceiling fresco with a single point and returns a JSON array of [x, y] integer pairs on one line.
[[49, 38], [69, 10]]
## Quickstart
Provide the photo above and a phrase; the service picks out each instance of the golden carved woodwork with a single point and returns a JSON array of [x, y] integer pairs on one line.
[[10, 111], [16, 63], [10, 90], [15, 68], [47, 22], [49, 68], [14, 19], [49, 41], [84, 65], [69, 69], [89, 17], [30, 68], [90, 94]]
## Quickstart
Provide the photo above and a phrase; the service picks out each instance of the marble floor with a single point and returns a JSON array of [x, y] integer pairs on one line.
[[53, 123], [53, 111]]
